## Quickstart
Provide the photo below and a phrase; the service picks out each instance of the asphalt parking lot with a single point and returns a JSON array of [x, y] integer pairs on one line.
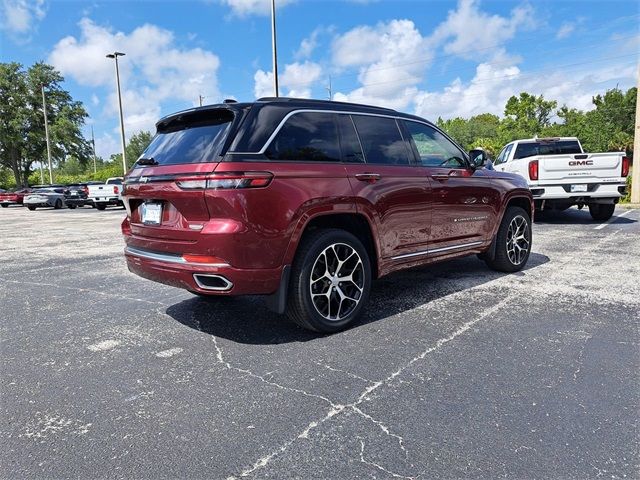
[[455, 372]]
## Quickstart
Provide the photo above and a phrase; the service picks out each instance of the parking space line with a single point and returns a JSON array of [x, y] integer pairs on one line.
[[613, 219]]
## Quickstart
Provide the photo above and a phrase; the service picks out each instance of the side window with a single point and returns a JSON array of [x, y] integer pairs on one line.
[[349, 143], [434, 148], [381, 140], [500, 158], [306, 136]]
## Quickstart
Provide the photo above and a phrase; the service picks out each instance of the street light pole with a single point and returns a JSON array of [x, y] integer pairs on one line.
[[274, 48], [635, 174], [115, 56], [93, 143], [46, 133]]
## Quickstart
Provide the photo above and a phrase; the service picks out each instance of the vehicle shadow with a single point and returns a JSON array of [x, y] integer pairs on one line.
[[246, 319], [573, 216]]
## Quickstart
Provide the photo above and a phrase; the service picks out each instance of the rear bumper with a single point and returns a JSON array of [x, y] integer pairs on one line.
[[563, 191], [107, 200], [76, 201], [10, 202], [171, 269]]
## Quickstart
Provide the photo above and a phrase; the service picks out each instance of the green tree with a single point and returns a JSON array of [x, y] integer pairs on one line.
[[22, 134], [525, 116]]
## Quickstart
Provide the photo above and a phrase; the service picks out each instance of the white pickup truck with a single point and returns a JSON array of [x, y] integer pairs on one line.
[[110, 193], [560, 174]]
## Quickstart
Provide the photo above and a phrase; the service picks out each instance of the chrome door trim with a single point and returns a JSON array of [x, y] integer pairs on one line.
[[435, 250]]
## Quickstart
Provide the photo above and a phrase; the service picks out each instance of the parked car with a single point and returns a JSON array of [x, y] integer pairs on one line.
[[45, 197], [15, 197], [560, 174], [109, 193], [309, 201], [75, 195]]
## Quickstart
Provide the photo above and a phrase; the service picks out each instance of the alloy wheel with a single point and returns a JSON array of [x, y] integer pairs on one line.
[[337, 281], [518, 240]]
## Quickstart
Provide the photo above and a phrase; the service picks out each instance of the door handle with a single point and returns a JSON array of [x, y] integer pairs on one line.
[[440, 177], [368, 177]]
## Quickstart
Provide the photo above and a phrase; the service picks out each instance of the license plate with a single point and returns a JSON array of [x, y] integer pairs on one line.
[[151, 213], [578, 188]]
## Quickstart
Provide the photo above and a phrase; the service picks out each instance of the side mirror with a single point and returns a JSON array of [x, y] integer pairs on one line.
[[478, 158]]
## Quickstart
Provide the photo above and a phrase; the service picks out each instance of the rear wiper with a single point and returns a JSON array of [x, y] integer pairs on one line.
[[147, 161]]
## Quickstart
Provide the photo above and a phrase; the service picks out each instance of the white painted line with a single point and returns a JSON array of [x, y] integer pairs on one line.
[[613, 219]]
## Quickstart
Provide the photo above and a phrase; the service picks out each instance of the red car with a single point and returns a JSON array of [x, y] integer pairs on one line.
[[13, 198], [309, 201]]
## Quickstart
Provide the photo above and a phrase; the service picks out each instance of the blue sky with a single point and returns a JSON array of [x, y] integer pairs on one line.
[[433, 58]]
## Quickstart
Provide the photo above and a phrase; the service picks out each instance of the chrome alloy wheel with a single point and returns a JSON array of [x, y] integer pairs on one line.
[[518, 240], [337, 281]]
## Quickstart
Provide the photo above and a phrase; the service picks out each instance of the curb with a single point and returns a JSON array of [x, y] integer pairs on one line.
[[629, 206]]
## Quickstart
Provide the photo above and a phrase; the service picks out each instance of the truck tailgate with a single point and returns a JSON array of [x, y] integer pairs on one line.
[[588, 167]]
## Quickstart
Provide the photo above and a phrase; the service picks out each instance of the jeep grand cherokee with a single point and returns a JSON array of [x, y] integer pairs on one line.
[[309, 201]]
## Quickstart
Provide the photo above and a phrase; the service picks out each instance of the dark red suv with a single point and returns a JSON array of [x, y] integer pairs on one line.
[[309, 201]]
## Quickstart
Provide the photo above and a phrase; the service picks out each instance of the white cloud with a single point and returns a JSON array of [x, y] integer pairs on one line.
[[296, 80], [154, 70], [565, 30], [471, 33], [18, 17], [491, 87], [391, 59], [243, 8], [309, 44]]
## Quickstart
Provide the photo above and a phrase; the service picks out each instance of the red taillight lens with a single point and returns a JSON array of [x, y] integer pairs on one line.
[[625, 166], [533, 170], [86, 190], [116, 190], [227, 181]]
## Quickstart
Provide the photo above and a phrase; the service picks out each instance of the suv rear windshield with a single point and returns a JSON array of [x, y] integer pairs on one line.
[[191, 138], [529, 149]]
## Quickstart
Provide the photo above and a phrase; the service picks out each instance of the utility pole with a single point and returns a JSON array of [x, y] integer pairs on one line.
[[46, 133], [635, 174], [274, 48], [93, 142], [329, 90], [115, 56], [200, 98]]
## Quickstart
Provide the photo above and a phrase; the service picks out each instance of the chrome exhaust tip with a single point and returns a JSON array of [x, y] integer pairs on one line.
[[216, 283]]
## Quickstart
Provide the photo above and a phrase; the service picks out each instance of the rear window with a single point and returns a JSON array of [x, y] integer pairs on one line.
[[190, 138], [529, 149], [308, 136], [114, 181]]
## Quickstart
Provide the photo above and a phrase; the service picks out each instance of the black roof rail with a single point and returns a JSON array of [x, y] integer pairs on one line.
[[321, 102]]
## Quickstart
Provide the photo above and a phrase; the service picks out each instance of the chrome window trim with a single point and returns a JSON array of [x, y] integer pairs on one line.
[[435, 250], [315, 110], [160, 257]]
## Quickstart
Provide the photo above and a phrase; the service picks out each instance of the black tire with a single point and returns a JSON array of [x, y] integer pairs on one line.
[[71, 207], [58, 204], [506, 260], [4, 205], [601, 211], [100, 206], [31, 207], [301, 308]]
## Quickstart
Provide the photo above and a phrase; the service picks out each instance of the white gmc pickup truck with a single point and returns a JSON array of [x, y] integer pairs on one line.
[[110, 193], [560, 174]]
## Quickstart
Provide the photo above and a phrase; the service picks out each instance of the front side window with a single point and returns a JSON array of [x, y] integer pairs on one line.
[[434, 148], [381, 140], [306, 136]]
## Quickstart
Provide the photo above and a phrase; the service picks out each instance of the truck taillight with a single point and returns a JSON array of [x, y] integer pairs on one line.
[[86, 190], [116, 190], [625, 166], [533, 170], [227, 181]]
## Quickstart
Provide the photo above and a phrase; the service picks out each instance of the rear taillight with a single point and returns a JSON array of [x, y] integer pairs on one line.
[[227, 181], [86, 190], [116, 190], [533, 170], [625, 166]]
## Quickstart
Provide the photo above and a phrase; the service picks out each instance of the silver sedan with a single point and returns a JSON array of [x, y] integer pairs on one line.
[[45, 197]]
